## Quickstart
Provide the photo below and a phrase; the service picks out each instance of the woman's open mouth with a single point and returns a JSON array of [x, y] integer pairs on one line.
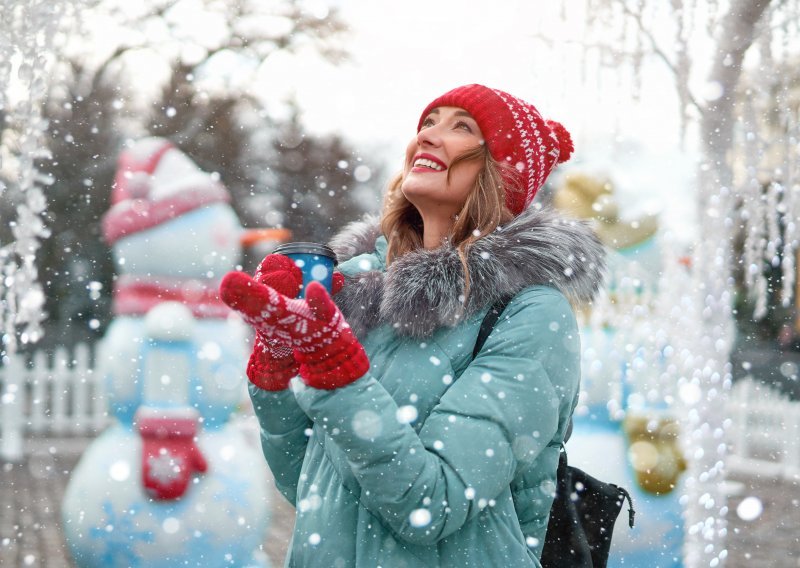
[[427, 163]]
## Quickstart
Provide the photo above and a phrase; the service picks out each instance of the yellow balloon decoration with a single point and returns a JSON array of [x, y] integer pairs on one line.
[[653, 452], [586, 197]]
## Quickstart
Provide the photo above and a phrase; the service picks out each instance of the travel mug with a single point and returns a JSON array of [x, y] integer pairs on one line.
[[316, 262]]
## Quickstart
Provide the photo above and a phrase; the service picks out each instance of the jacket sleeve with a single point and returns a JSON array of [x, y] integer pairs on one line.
[[497, 417], [283, 436]]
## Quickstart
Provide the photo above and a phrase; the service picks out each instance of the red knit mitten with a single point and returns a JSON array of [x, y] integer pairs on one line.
[[272, 364], [281, 273], [329, 354], [337, 283], [169, 454]]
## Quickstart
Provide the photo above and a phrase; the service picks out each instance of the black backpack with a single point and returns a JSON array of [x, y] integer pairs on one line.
[[584, 509]]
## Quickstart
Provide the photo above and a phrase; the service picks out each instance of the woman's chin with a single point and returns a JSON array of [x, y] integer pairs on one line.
[[417, 190]]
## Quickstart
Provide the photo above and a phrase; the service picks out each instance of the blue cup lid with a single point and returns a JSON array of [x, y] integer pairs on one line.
[[307, 248]]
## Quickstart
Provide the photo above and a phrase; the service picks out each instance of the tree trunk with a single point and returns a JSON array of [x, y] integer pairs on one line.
[[710, 370]]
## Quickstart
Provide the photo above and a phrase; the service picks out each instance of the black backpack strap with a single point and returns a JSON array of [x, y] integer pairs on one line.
[[487, 325], [489, 320]]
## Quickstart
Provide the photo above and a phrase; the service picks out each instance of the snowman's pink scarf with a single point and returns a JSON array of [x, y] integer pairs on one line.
[[135, 295], [134, 215]]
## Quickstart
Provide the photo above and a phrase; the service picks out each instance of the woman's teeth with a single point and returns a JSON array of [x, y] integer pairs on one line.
[[425, 163]]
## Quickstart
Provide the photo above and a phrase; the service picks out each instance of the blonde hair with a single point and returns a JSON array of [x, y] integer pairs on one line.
[[483, 211]]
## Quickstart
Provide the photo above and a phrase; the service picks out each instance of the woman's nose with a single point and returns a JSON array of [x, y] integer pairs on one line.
[[430, 135]]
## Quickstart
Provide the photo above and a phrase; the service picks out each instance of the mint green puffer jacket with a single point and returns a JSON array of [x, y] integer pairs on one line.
[[433, 458]]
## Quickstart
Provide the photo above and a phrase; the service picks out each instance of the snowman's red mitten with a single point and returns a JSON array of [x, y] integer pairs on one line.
[[272, 364], [170, 455], [329, 354]]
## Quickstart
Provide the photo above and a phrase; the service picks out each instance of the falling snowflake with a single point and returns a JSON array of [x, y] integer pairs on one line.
[[165, 468], [420, 518]]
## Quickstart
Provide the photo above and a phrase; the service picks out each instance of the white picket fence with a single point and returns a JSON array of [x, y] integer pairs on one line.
[[59, 396], [65, 396], [765, 431]]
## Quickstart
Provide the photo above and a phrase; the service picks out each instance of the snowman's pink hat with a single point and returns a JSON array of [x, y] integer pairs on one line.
[[156, 182]]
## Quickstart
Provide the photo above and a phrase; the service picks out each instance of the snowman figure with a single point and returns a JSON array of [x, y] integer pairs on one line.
[[174, 482]]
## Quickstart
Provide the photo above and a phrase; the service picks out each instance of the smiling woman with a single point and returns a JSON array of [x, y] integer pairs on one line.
[[396, 444]]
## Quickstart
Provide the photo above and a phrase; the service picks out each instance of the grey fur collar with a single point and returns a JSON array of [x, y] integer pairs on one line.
[[421, 291]]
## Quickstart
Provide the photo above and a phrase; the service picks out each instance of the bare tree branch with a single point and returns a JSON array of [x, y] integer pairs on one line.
[[660, 53]]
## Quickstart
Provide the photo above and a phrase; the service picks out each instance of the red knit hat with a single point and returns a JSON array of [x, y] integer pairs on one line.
[[516, 134]]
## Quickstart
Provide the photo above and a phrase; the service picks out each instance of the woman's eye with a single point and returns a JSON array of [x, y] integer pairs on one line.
[[463, 125], [427, 122]]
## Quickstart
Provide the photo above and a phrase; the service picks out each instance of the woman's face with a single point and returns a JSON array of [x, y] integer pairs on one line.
[[446, 133]]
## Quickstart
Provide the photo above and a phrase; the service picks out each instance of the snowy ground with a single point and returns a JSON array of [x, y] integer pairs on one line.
[[31, 492]]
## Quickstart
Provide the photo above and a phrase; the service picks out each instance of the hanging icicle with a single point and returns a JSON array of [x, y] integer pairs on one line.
[[27, 46], [768, 110], [774, 203], [791, 199], [754, 202], [712, 17], [789, 108]]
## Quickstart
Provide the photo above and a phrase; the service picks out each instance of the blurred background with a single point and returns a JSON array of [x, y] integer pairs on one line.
[[303, 111], [685, 120]]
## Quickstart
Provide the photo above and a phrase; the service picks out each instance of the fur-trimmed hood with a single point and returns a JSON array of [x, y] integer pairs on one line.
[[422, 290]]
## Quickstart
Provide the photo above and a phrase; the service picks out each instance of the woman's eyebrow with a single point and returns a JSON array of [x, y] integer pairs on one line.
[[456, 113]]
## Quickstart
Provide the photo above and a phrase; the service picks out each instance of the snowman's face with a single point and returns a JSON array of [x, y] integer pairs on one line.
[[201, 244]]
